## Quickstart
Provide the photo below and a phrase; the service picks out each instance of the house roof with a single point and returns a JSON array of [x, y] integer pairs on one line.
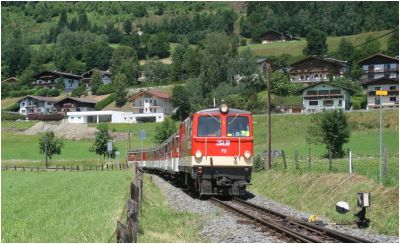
[[278, 33], [39, 98], [11, 79], [381, 80], [57, 73], [260, 60], [325, 59], [155, 93], [324, 82], [381, 56], [82, 100]]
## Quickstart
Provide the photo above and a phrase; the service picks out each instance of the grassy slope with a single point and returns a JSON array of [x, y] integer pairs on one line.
[[62, 207], [318, 194], [295, 48]]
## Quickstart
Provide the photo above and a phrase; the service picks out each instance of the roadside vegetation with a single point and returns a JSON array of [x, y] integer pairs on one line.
[[62, 206], [160, 222]]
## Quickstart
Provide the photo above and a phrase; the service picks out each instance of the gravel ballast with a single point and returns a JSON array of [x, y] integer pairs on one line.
[[224, 227]]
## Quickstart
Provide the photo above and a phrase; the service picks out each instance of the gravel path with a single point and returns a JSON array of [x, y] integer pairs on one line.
[[223, 227]]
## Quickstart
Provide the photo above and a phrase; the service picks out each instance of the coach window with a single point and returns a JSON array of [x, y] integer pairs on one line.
[[209, 126], [238, 126]]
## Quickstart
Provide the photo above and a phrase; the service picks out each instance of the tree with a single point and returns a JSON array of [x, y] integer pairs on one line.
[[97, 54], [371, 47], [215, 60], [127, 25], [95, 81], [164, 130], [330, 128], [80, 91], [180, 100], [100, 144], [345, 50], [120, 82], [177, 60], [15, 53], [49, 145], [83, 22], [316, 43], [393, 44]]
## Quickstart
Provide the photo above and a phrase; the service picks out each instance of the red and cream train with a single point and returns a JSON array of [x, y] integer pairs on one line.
[[211, 152]]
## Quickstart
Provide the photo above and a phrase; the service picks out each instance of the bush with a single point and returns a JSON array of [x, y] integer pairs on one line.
[[80, 91], [258, 164], [358, 102], [8, 116], [46, 92], [103, 103], [105, 89]]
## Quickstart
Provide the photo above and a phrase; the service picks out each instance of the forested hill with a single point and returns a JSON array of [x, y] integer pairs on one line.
[[78, 36]]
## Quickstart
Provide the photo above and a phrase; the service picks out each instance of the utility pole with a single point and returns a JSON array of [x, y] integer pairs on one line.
[[269, 116]]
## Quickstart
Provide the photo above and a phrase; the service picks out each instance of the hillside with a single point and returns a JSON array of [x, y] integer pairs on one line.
[[295, 48]]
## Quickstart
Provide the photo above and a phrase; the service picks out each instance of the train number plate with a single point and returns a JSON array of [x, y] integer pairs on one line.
[[223, 143]]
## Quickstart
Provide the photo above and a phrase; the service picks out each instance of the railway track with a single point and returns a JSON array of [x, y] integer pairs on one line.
[[288, 228]]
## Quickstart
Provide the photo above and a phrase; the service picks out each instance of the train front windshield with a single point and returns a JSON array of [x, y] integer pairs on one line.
[[209, 126], [238, 126]]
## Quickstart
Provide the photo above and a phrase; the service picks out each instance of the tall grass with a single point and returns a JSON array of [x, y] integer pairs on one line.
[[62, 207]]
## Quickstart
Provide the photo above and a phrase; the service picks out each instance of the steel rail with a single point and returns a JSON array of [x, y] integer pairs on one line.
[[313, 227], [279, 228]]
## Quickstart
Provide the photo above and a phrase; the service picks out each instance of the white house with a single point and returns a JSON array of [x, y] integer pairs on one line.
[[382, 84], [151, 102], [36, 104], [324, 95], [52, 79], [112, 117]]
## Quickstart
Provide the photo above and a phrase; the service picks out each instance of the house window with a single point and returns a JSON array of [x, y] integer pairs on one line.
[[72, 117], [23, 104], [340, 103], [141, 111], [393, 99], [302, 77], [151, 101], [392, 88], [323, 92], [377, 88], [155, 102], [328, 103], [79, 117], [22, 110], [313, 103]]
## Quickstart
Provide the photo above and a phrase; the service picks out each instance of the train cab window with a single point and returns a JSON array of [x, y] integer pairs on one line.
[[238, 126], [209, 126]]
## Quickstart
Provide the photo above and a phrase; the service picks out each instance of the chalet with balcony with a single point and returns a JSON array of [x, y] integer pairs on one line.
[[275, 36], [324, 95], [53, 79], [152, 105], [87, 77], [379, 66], [314, 69], [385, 84], [36, 104], [73, 104], [11, 81]]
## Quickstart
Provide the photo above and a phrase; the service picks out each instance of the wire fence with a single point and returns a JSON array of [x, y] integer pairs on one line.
[[103, 167]]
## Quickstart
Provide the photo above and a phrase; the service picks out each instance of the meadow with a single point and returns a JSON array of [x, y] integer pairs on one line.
[[62, 206]]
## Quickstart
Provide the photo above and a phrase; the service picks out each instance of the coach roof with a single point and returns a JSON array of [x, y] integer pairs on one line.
[[216, 110]]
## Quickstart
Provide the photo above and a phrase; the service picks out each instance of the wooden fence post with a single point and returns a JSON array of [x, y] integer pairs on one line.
[[64, 167], [284, 159], [101, 167], [296, 159], [386, 166], [15, 167], [133, 220], [122, 233], [309, 158], [330, 160]]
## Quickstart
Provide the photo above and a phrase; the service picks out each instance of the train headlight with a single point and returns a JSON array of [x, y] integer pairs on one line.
[[247, 154], [198, 154], [223, 108]]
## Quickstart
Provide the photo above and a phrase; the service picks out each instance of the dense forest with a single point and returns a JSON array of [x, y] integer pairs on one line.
[[78, 36]]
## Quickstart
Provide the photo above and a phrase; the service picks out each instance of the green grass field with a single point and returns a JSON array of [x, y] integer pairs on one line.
[[295, 48], [62, 206]]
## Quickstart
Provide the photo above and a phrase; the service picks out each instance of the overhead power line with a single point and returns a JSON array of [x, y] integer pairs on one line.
[[376, 38]]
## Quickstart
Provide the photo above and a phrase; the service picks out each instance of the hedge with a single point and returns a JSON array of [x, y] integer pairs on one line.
[[8, 116], [103, 103], [14, 107]]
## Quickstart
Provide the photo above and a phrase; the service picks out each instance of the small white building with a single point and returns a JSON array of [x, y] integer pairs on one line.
[[36, 104], [112, 117], [324, 95], [151, 102]]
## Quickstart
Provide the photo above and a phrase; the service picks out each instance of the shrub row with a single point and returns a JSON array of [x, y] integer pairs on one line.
[[8, 116], [103, 103]]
